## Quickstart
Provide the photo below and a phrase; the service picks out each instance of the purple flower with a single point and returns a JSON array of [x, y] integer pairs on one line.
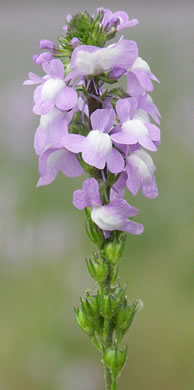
[[53, 126], [39, 59], [116, 73], [46, 44], [123, 20], [97, 148], [135, 126], [140, 174], [68, 20], [75, 42], [140, 78], [54, 160], [146, 103], [92, 60], [53, 90], [119, 19], [113, 216]]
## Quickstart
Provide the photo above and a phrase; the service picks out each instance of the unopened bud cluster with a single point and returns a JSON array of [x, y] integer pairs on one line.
[[107, 312]]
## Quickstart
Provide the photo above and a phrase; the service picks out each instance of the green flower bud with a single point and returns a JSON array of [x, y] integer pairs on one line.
[[97, 269], [120, 294], [94, 232], [114, 359], [125, 316], [108, 305], [90, 306], [114, 250], [114, 274], [84, 322]]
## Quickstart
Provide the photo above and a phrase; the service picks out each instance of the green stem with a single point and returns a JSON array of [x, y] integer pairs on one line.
[[114, 383], [108, 378]]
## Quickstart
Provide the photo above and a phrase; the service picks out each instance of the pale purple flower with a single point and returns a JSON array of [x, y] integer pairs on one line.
[[39, 59], [123, 20], [135, 126], [139, 78], [92, 60], [116, 73], [46, 44], [146, 103], [119, 19], [75, 42], [53, 126], [53, 90], [68, 20], [140, 174], [113, 216], [54, 160], [97, 149]]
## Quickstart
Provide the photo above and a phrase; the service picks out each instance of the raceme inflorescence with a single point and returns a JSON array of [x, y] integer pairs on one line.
[[90, 124]]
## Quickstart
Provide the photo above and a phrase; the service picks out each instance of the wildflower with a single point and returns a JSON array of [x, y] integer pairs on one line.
[[53, 90], [139, 78], [97, 148], [91, 60], [53, 160], [119, 19], [135, 126], [52, 128], [140, 174], [113, 216], [89, 124]]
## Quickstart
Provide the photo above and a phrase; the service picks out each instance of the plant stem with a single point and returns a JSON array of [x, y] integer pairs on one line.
[[108, 378], [114, 383]]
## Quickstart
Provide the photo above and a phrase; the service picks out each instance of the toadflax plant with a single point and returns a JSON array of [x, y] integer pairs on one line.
[[88, 123]]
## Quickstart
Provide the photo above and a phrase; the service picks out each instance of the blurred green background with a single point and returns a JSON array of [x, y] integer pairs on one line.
[[42, 238]]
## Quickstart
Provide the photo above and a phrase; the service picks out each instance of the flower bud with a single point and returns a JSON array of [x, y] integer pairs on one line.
[[114, 250], [94, 232], [97, 269], [108, 305], [90, 306], [114, 359], [84, 322], [125, 315], [120, 294]]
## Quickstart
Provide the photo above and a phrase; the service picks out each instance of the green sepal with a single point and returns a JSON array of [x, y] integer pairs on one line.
[[125, 317], [114, 271], [106, 79], [115, 358], [108, 306], [114, 248], [88, 30], [84, 322], [90, 306], [97, 269], [94, 232]]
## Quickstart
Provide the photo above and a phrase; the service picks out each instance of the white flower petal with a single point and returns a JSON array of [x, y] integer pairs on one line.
[[51, 87]]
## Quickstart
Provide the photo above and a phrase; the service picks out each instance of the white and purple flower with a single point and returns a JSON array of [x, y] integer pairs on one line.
[[140, 174], [119, 19], [97, 148], [54, 160], [135, 126], [113, 216], [53, 90], [92, 60], [39, 59], [139, 78]]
